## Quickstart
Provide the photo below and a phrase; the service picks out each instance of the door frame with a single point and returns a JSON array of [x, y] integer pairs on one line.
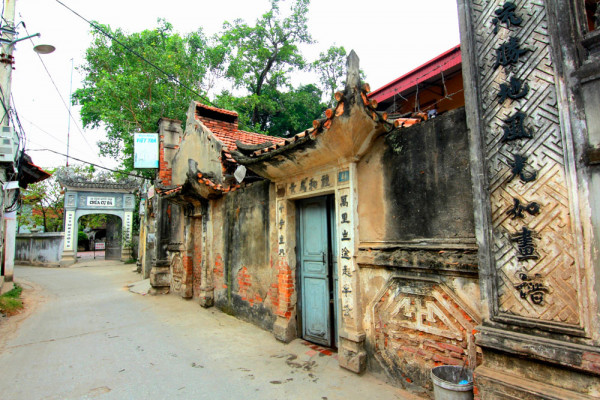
[[331, 263]]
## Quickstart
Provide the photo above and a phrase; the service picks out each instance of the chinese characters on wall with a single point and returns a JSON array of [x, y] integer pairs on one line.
[[516, 134], [346, 246]]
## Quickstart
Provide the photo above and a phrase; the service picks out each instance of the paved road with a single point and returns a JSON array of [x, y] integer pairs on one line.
[[88, 337]]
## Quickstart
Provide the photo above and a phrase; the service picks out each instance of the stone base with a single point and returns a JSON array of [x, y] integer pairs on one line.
[[351, 353], [160, 290], [126, 254], [186, 291], [502, 376], [67, 258], [206, 298], [160, 277], [284, 329]]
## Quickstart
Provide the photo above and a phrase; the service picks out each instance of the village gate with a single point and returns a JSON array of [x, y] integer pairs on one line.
[[85, 197]]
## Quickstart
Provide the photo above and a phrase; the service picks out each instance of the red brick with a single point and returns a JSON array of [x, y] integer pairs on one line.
[[594, 357], [451, 347]]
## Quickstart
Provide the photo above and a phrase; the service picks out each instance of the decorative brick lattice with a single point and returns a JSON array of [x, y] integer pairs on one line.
[[554, 240], [419, 325]]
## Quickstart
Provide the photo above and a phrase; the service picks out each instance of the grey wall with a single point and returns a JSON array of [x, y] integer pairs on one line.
[[39, 248], [427, 180]]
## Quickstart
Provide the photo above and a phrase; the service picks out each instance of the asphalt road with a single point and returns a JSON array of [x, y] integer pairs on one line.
[[85, 335]]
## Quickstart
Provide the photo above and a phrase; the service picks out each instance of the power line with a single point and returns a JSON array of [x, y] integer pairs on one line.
[[61, 97], [170, 77], [91, 163], [44, 131]]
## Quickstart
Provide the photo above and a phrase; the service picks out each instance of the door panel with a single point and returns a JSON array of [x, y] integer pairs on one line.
[[316, 307], [314, 271]]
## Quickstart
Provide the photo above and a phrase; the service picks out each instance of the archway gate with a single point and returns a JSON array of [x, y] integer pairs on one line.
[[85, 197]]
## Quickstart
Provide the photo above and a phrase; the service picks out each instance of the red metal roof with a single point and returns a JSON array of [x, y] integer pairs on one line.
[[430, 69]]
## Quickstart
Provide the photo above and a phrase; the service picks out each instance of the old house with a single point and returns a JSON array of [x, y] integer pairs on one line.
[[407, 241], [354, 234]]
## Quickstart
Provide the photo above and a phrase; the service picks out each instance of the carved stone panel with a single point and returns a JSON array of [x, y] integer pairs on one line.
[[538, 273], [176, 272]]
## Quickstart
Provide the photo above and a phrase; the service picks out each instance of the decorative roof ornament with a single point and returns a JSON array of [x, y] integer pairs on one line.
[[69, 178]]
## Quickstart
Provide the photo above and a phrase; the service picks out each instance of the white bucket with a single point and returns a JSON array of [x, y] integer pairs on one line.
[[446, 384]]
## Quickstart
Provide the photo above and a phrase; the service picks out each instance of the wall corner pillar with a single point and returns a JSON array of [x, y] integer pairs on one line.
[[352, 354]]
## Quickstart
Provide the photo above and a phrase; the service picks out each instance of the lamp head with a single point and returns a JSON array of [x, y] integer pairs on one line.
[[44, 48]]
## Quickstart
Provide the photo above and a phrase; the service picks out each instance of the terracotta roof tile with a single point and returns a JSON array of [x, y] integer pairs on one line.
[[228, 133]]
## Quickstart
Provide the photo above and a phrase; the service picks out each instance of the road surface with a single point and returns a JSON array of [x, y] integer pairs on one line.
[[85, 335]]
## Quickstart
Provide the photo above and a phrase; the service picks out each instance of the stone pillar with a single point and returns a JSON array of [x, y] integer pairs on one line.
[[69, 251], [539, 335], [352, 355], [127, 235], [170, 134], [207, 289]]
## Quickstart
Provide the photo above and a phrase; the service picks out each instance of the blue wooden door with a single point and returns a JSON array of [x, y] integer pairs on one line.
[[314, 270]]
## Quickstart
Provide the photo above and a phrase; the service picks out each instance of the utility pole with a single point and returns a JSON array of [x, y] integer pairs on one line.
[[11, 148], [8, 171]]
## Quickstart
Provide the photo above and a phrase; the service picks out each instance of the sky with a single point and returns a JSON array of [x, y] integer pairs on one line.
[[391, 37]]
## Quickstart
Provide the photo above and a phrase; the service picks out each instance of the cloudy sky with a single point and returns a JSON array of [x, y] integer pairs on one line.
[[391, 37]]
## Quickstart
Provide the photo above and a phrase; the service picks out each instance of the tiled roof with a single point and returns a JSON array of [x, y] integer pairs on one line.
[[321, 125], [226, 130], [229, 139], [215, 186], [166, 192]]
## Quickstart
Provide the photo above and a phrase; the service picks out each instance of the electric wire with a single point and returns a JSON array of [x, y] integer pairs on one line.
[[90, 163], [170, 77], [61, 97], [44, 131]]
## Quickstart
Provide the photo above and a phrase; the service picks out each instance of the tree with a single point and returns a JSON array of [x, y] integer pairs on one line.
[[262, 56], [296, 111], [43, 206], [331, 68], [124, 94]]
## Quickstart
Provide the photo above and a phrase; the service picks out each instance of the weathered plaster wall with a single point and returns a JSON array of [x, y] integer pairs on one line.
[[39, 248], [418, 276], [419, 183], [199, 147], [243, 275]]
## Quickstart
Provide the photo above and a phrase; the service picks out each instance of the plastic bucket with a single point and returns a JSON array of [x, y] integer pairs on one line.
[[446, 383]]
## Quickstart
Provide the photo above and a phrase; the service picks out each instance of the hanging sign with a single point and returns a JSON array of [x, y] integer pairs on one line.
[[145, 150]]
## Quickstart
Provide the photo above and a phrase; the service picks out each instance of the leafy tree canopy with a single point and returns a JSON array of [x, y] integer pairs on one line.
[[124, 94]]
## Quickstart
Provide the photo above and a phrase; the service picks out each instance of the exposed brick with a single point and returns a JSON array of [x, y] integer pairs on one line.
[[451, 347], [593, 357]]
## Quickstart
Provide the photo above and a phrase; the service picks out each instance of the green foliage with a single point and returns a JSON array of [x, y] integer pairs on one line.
[[261, 57], [10, 301], [280, 113], [124, 94], [93, 221], [296, 110], [81, 236], [331, 67], [43, 205]]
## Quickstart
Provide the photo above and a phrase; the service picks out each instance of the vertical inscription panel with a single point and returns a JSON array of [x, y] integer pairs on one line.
[[536, 266]]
